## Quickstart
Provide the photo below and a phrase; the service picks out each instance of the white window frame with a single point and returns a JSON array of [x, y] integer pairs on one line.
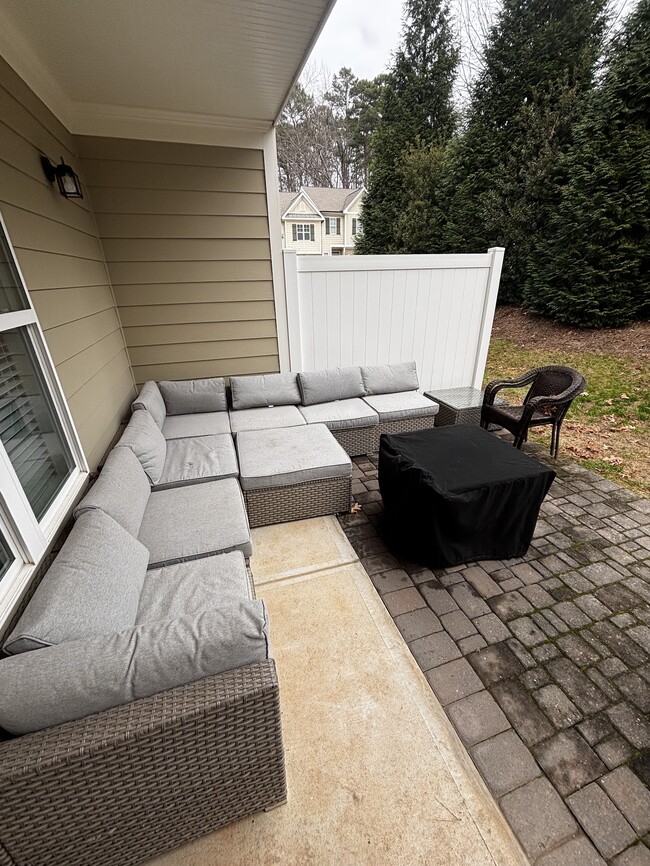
[[304, 232], [27, 537], [356, 226]]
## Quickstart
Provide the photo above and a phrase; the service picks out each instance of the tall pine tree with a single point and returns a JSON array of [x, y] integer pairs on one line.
[[538, 61], [416, 109], [592, 264]]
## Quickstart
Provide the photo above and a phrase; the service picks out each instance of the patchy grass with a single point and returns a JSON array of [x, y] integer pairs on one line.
[[607, 428]]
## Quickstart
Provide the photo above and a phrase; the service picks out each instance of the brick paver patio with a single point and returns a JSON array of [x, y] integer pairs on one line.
[[542, 663]]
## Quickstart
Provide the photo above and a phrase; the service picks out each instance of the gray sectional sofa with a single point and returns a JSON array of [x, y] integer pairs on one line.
[[356, 404], [137, 685]]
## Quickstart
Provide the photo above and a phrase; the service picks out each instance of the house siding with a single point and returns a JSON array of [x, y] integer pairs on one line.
[[184, 230], [59, 252]]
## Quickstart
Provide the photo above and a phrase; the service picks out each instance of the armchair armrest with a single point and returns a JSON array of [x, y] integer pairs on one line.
[[128, 783], [492, 388]]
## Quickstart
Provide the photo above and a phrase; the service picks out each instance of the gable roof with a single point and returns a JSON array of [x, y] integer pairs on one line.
[[331, 199]]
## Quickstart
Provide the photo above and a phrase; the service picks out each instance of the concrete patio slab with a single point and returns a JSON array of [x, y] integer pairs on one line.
[[376, 774], [288, 550]]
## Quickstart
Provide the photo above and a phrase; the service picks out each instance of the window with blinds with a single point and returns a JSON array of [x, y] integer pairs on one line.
[[29, 429], [42, 466]]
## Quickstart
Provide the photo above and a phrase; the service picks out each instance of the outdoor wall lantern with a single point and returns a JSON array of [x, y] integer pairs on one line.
[[65, 176]]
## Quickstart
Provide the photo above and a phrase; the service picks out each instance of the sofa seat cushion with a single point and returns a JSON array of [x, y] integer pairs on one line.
[[192, 461], [184, 523], [189, 588], [198, 424], [122, 491], [390, 378], [275, 389], [276, 458], [92, 587], [265, 418], [74, 679], [341, 414], [151, 399], [408, 404], [194, 395], [144, 438], [323, 386]]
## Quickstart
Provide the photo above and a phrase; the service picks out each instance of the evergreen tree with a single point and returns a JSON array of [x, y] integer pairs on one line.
[[416, 107], [539, 60], [591, 266]]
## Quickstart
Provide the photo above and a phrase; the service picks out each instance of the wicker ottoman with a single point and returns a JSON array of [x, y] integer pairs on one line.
[[293, 473]]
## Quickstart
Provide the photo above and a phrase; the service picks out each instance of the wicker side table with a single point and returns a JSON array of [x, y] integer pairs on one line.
[[458, 405]]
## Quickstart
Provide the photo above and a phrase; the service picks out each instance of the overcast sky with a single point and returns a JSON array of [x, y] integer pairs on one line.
[[363, 34]]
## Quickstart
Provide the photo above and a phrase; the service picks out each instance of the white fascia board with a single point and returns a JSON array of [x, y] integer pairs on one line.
[[354, 200]]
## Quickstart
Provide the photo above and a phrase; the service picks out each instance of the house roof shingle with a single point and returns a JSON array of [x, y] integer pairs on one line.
[[330, 199]]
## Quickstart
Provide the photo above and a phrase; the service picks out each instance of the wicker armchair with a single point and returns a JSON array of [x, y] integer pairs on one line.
[[551, 392]]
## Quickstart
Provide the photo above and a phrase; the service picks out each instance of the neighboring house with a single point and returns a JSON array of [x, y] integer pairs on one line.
[[320, 220]]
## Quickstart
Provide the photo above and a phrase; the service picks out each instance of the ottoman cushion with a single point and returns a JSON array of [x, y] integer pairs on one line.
[[341, 414], [265, 417], [198, 424], [277, 458], [183, 523], [406, 404], [202, 458]]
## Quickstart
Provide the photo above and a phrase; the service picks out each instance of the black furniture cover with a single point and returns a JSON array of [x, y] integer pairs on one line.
[[457, 494]]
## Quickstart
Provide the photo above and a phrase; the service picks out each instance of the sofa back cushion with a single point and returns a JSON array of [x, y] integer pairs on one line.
[[122, 491], [194, 395], [151, 399], [323, 386], [252, 392], [92, 587], [390, 378], [145, 439], [75, 679]]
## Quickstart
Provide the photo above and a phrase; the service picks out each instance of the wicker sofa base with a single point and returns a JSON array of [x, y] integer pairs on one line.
[[298, 501], [407, 425], [357, 440], [127, 784]]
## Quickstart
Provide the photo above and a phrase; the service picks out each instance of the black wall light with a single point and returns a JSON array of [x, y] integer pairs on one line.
[[65, 176]]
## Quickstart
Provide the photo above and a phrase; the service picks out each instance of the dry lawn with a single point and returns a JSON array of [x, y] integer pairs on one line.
[[607, 428]]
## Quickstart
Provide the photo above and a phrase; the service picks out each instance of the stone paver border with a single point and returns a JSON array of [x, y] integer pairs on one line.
[[542, 663]]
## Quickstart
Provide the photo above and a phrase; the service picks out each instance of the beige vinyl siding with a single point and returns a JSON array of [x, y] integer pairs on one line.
[[62, 261], [184, 230]]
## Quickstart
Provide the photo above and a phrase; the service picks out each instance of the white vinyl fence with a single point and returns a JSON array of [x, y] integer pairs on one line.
[[436, 310]]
